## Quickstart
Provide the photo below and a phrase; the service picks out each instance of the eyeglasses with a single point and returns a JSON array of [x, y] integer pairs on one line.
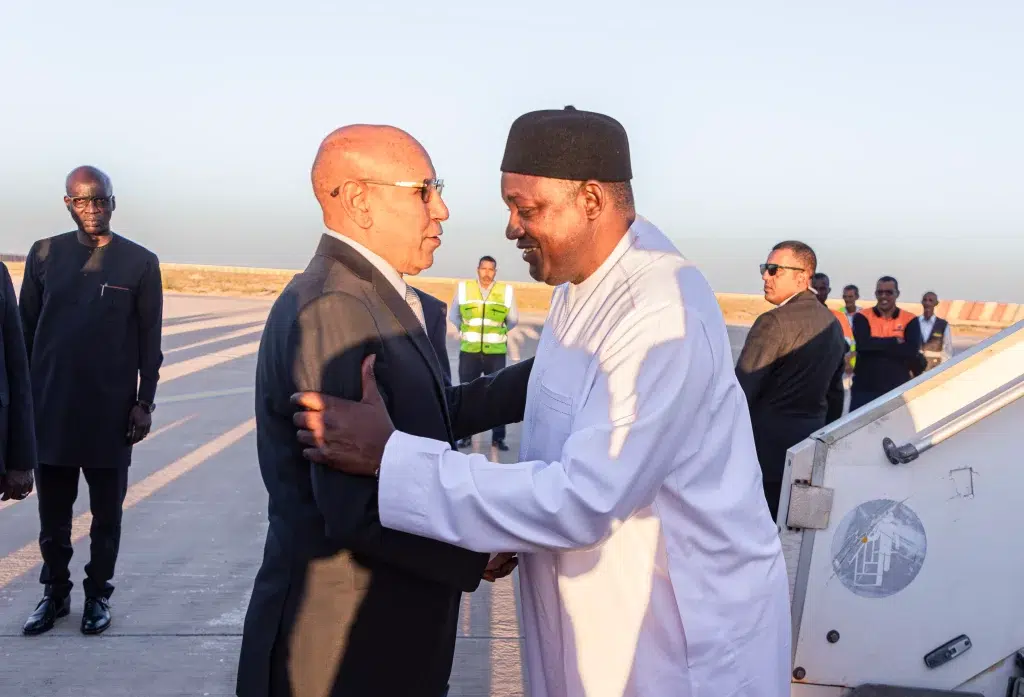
[[81, 203], [426, 187], [772, 269]]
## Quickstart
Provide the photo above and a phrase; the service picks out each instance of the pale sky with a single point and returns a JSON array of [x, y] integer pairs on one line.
[[888, 135]]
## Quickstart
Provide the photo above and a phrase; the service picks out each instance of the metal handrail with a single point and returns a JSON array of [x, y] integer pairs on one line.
[[902, 454]]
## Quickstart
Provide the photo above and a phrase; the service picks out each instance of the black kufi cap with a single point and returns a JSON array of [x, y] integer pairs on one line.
[[568, 144]]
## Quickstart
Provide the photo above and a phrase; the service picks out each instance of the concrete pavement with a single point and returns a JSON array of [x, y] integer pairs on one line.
[[193, 535]]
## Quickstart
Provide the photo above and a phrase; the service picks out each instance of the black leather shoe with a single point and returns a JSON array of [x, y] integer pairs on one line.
[[46, 614], [95, 616], [500, 445]]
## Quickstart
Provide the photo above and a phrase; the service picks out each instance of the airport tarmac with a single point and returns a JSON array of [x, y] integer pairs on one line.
[[193, 533]]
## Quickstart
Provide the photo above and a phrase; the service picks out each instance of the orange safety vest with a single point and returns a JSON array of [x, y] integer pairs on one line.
[[887, 327], [844, 323]]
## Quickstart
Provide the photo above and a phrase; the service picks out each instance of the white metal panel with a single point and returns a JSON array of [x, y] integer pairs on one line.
[[965, 492]]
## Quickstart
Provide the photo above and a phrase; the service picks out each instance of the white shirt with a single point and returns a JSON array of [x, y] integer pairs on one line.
[[850, 316], [386, 269], [650, 565], [927, 326]]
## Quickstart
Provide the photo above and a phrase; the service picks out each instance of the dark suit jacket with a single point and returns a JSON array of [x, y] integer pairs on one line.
[[17, 417], [435, 312], [791, 370], [341, 605]]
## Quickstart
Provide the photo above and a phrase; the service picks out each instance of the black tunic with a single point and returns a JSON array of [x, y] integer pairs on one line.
[[92, 319], [17, 432]]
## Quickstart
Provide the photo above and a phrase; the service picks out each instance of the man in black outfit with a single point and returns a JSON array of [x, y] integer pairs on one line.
[[17, 429], [92, 310], [791, 366], [341, 605]]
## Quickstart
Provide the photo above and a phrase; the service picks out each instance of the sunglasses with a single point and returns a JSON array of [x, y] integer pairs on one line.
[[772, 269], [426, 187]]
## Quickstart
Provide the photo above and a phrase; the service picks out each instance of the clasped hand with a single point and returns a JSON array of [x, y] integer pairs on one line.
[[500, 566], [346, 435], [15, 484]]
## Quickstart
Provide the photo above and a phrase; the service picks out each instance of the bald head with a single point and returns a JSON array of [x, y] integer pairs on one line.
[[87, 175], [89, 197], [364, 151], [376, 186]]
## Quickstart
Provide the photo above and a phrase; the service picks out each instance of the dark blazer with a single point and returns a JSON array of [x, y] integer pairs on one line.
[[791, 370], [341, 605], [17, 418], [435, 313]]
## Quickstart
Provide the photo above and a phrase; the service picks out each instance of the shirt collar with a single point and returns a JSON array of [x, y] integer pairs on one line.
[[386, 269], [582, 290]]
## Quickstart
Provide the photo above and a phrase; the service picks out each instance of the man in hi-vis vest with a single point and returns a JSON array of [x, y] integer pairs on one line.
[[484, 312]]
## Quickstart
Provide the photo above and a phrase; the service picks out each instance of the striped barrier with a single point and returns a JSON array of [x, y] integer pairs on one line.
[[968, 313]]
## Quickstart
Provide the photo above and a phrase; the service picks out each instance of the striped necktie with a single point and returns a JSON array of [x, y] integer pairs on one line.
[[416, 305]]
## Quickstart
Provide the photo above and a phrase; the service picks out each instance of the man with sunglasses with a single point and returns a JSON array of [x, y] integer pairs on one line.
[[91, 308], [342, 605], [791, 366], [888, 346]]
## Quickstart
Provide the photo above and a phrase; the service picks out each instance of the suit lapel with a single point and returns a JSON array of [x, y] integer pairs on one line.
[[397, 305], [407, 318]]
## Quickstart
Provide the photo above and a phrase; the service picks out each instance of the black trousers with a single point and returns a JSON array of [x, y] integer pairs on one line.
[[473, 365], [772, 494], [57, 489], [859, 398]]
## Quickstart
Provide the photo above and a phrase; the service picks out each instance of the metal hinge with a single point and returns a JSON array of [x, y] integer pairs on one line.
[[809, 506]]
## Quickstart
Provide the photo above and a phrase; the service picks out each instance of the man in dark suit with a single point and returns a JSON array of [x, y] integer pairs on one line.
[[435, 311], [791, 366], [17, 418], [341, 605]]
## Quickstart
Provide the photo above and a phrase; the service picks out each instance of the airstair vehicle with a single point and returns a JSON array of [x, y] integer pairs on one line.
[[904, 537]]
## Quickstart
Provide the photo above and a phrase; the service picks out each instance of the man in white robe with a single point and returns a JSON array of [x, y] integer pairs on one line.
[[650, 566]]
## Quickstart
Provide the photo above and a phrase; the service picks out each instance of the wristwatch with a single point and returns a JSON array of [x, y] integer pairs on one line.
[[146, 406]]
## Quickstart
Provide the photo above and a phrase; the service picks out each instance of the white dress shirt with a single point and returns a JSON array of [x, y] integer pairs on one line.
[[386, 269], [927, 326], [650, 566]]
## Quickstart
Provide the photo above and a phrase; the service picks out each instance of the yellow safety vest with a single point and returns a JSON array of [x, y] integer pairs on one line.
[[483, 321]]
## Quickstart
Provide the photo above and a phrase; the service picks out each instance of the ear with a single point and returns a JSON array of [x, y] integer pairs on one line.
[[595, 199], [113, 203], [353, 197]]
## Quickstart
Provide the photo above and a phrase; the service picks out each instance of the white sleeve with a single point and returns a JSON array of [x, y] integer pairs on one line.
[[512, 318], [646, 415], [947, 344], [454, 315]]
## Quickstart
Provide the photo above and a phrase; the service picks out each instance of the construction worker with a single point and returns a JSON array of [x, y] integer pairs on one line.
[[822, 286], [484, 311], [936, 342], [888, 346], [851, 294]]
